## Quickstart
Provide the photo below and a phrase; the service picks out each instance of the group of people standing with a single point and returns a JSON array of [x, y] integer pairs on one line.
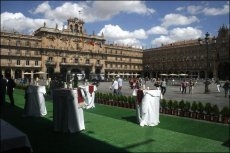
[[7, 86], [185, 84], [226, 86], [117, 85], [160, 85]]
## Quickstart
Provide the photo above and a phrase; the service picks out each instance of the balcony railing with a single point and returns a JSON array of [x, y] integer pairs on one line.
[[50, 63], [74, 64], [99, 65]]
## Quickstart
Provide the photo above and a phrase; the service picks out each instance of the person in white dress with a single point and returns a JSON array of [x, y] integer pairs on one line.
[[115, 86], [119, 85]]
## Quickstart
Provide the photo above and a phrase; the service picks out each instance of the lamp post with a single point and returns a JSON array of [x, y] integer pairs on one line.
[[206, 39], [147, 70]]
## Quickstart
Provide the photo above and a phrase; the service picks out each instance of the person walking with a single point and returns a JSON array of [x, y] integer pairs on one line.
[[218, 85], [191, 86], [115, 86], [163, 87], [120, 82], [10, 90], [157, 83], [226, 88], [184, 87], [3, 84]]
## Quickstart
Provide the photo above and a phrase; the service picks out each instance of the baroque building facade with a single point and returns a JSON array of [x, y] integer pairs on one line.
[[56, 51], [191, 58]]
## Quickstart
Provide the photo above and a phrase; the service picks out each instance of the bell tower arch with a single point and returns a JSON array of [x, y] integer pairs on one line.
[[76, 25]]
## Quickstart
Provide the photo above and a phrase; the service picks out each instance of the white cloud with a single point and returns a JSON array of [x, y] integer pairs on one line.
[[194, 9], [104, 10], [157, 30], [118, 35], [178, 19], [60, 13], [18, 22], [180, 8], [217, 11], [207, 10], [177, 34], [92, 11], [185, 33], [44, 7], [161, 40]]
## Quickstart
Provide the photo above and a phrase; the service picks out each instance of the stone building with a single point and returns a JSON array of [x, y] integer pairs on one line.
[[191, 58], [53, 51]]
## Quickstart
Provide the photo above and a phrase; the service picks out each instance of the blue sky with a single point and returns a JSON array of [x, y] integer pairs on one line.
[[134, 23]]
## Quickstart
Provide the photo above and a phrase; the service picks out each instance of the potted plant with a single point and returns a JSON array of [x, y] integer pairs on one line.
[[194, 109], [215, 113], [225, 114], [107, 99], [187, 109], [96, 97], [170, 103], [181, 108], [133, 102], [163, 105], [129, 101], [208, 109], [200, 109], [175, 107], [125, 102]]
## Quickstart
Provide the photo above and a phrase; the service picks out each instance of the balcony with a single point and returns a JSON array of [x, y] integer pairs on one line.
[[98, 65], [76, 64], [50, 63], [14, 53]]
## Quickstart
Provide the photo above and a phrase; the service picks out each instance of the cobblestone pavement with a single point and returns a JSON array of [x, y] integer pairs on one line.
[[173, 93]]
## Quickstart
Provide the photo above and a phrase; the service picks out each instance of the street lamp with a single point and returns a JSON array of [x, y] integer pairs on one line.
[[206, 39], [147, 70]]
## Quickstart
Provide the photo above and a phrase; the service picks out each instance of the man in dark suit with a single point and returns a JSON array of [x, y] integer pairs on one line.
[[10, 90]]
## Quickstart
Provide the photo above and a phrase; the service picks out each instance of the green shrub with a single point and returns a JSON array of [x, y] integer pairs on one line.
[[194, 106], [187, 106], [163, 103], [215, 110], [200, 107], [125, 99], [133, 99], [175, 105], [225, 111], [208, 108], [170, 103], [181, 104]]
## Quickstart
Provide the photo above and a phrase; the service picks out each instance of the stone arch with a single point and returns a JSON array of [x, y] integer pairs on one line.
[[8, 73], [18, 74]]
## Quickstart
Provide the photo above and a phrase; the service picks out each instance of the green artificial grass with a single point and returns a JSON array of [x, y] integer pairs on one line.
[[114, 129]]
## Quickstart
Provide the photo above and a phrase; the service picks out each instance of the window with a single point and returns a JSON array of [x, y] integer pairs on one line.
[[27, 43], [50, 59], [98, 61], [36, 63], [76, 60], [63, 60], [18, 51], [27, 62], [18, 62], [18, 43], [87, 61]]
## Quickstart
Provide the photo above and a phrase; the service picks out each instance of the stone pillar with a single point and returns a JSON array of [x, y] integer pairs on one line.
[[23, 76]]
